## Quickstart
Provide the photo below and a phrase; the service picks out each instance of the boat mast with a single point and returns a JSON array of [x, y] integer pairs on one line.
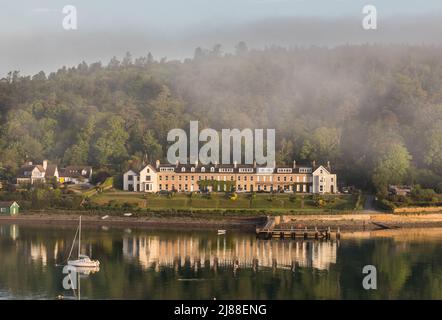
[[79, 240]]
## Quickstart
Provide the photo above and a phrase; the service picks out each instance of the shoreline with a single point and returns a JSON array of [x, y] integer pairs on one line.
[[165, 223], [345, 222]]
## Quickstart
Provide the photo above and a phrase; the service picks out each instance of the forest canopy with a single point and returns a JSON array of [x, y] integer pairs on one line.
[[374, 112]]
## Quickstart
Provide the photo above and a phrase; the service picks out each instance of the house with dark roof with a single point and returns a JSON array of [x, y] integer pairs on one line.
[[76, 174], [37, 173]]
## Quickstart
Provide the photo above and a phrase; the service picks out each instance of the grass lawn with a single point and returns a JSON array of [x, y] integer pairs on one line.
[[276, 202]]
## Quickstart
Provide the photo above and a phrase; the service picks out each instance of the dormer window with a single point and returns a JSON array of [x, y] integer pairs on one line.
[[183, 169], [192, 169], [212, 169], [203, 169]]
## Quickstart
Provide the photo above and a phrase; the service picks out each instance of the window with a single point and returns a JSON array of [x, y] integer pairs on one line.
[[212, 169], [161, 178], [183, 169], [192, 169], [284, 170], [203, 169], [147, 178], [130, 177]]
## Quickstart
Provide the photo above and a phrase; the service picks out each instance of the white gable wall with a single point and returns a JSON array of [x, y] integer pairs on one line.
[[148, 179], [324, 181], [130, 184]]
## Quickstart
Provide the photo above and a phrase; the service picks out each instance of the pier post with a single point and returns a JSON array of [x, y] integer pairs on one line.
[[316, 233], [338, 234], [305, 233]]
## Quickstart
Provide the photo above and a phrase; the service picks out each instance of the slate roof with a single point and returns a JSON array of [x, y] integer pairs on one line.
[[50, 170], [29, 168], [76, 171]]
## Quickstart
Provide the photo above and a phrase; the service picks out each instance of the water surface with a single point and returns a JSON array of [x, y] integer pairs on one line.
[[146, 264]]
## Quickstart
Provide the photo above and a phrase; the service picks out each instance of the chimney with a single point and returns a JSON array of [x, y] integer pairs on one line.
[[157, 164], [274, 164], [254, 163], [29, 163], [314, 164], [235, 164], [294, 164], [196, 163], [177, 163], [45, 164], [328, 166], [216, 164]]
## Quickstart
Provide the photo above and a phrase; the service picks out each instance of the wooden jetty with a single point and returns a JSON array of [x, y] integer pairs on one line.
[[270, 231]]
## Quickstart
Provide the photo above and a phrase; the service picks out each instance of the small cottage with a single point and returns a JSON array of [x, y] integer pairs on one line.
[[9, 207]]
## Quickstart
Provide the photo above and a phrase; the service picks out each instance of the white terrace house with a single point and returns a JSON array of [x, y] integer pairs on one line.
[[244, 178]]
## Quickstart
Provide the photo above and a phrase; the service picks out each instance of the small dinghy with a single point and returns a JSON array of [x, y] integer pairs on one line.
[[221, 232], [83, 261]]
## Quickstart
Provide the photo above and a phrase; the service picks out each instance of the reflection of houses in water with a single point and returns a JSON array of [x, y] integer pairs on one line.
[[152, 251], [39, 253], [9, 231]]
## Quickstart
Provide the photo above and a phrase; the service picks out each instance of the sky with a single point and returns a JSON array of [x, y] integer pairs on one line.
[[32, 37]]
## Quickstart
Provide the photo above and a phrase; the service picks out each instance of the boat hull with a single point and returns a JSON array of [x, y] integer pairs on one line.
[[84, 264]]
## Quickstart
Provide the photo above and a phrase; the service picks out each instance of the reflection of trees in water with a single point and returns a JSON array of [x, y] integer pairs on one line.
[[155, 252]]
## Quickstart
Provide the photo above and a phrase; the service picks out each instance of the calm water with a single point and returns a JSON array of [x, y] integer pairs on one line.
[[144, 264]]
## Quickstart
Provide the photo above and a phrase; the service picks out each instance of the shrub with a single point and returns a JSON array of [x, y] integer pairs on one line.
[[420, 194]]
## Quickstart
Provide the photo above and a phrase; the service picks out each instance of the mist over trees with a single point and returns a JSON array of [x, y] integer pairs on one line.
[[374, 112]]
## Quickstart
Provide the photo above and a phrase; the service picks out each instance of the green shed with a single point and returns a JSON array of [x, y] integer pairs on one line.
[[9, 207]]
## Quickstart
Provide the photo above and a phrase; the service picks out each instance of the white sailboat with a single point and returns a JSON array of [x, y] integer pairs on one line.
[[83, 261]]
